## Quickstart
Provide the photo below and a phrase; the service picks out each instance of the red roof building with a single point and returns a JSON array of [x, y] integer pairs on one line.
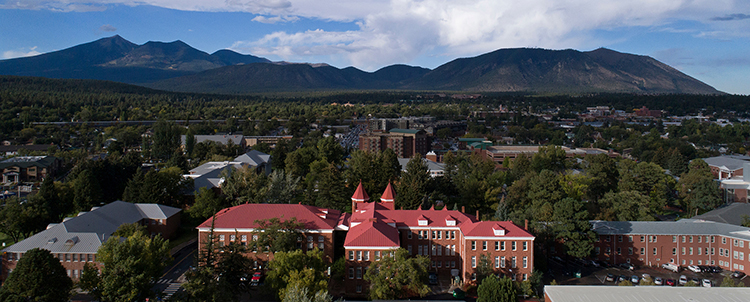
[[454, 241]]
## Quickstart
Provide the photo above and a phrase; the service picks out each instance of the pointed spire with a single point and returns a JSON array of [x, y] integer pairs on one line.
[[360, 195], [389, 195]]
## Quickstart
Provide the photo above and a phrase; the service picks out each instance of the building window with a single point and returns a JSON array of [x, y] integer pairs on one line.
[[643, 238], [484, 245], [630, 251], [75, 257], [684, 238], [377, 254], [434, 264], [351, 255], [723, 240], [690, 239], [453, 250], [619, 238], [473, 261], [674, 251], [419, 249], [643, 251], [608, 239], [502, 245], [453, 264], [525, 246], [596, 250], [674, 238], [502, 261], [630, 238], [359, 273], [419, 235], [447, 235], [608, 251], [221, 240], [67, 257], [497, 261], [447, 250], [513, 262], [453, 235], [440, 264], [440, 235], [359, 255], [351, 273], [367, 256], [619, 251], [434, 235], [439, 250], [232, 238], [434, 248], [408, 234], [683, 250], [691, 251], [89, 257], [473, 245], [513, 245], [654, 251], [700, 239], [359, 288], [525, 262], [497, 245]]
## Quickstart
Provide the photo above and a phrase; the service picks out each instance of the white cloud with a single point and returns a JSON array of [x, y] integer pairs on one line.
[[107, 28], [10, 54], [398, 31]]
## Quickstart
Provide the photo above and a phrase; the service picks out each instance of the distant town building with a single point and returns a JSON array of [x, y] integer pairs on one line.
[[271, 141], [404, 142], [29, 168], [76, 240], [224, 139], [435, 169], [208, 175], [500, 152]]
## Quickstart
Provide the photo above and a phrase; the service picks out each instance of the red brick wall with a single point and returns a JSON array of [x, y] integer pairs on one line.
[[508, 253], [260, 255]]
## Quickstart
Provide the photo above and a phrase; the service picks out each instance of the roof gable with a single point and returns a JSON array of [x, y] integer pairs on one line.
[[244, 216]]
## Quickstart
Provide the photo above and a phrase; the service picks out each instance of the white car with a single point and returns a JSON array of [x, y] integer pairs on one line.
[[694, 268], [707, 283], [683, 280], [658, 281]]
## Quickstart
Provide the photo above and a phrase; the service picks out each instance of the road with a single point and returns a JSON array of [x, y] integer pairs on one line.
[[170, 281]]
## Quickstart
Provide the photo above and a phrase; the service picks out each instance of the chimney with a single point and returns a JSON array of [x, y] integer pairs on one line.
[[526, 224], [477, 214], [463, 209]]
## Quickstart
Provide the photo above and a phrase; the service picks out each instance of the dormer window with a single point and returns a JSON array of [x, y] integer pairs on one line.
[[450, 221], [422, 220], [72, 241], [52, 240], [498, 230]]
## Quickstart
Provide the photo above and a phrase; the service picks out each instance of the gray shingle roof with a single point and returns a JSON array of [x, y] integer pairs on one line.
[[86, 232], [254, 158], [28, 161], [731, 214], [681, 227], [732, 162]]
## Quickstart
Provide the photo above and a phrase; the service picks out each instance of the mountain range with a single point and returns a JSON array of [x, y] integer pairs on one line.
[[176, 66]]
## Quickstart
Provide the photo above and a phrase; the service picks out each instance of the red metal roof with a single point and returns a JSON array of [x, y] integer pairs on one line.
[[360, 194], [372, 233], [485, 229], [244, 216]]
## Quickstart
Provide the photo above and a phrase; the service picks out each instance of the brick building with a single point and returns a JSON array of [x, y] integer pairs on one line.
[[29, 168], [76, 240], [404, 142], [454, 241], [685, 242]]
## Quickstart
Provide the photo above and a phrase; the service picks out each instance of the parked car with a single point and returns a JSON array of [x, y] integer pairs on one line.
[[658, 281], [595, 263], [458, 293], [670, 282], [738, 274], [707, 283], [628, 266], [694, 268], [683, 280], [621, 278], [715, 269], [671, 266], [696, 281], [433, 279], [645, 276], [255, 280], [634, 279], [610, 278]]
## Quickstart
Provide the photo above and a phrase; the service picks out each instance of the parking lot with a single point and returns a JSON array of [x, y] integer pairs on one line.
[[565, 272]]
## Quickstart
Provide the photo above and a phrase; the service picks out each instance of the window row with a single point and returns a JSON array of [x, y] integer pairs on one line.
[[365, 255], [436, 235], [437, 250], [448, 264], [500, 245], [500, 262]]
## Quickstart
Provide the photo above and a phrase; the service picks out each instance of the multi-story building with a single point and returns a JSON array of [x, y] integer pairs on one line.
[[76, 240], [29, 168], [454, 241], [685, 242], [404, 142]]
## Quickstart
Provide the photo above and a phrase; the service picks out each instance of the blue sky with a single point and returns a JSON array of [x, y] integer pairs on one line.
[[706, 39]]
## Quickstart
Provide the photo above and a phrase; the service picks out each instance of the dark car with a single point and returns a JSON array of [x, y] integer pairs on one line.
[[738, 274], [622, 278], [255, 280], [459, 294], [628, 266], [715, 269], [670, 282], [705, 268], [433, 279]]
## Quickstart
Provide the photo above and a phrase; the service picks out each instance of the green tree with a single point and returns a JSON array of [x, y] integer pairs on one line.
[[90, 280], [206, 204], [231, 266], [572, 227], [297, 268], [189, 143], [88, 193], [549, 158], [728, 281], [484, 267], [19, 220], [298, 293], [282, 187], [412, 187], [330, 150], [398, 277], [602, 171], [624, 206], [276, 235], [494, 289], [38, 276], [131, 265], [329, 184], [244, 185], [166, 139]]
